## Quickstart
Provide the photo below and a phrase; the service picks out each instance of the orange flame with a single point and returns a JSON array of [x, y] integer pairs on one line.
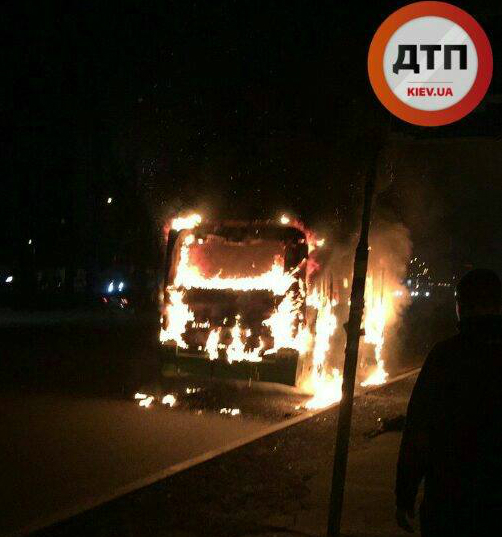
[[288, 322], [236, 351], [178, 315], [189, 276], [186, 222]]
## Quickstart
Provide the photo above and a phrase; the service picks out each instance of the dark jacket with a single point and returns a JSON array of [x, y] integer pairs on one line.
[[453, 433]]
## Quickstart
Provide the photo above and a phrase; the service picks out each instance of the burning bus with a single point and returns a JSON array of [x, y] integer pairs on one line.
[[253, 300], [236, 298]]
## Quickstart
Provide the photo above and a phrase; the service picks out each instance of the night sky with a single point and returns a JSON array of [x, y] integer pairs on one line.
[[244, 108]]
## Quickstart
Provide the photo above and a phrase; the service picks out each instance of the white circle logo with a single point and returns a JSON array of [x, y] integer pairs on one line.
[[430, 63]]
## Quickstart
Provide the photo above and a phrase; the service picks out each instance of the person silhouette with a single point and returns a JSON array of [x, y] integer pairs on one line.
[[453, 436]]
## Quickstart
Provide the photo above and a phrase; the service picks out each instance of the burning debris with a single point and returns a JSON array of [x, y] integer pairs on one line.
[[385, 425], [169, 400], [193, 390], [145, 400], [230, 411], [258, 292]]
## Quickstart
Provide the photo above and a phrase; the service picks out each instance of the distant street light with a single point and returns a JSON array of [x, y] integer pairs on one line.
[[285, 220], [109, 200], [30, 241]]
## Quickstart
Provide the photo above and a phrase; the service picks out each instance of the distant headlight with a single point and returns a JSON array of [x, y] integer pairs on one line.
[[110, 287], [121, 286], [9, 279]]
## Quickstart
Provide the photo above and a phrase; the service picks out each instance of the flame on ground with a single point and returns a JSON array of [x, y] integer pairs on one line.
[[378, 377], [327, 390], [147, 401], [323, 382], [230, 411], [169, 400]]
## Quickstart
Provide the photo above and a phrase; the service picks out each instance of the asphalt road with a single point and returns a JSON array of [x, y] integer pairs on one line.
[[78, 448], [60, 452]]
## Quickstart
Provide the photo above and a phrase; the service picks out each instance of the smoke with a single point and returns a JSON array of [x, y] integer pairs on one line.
[[389, 256], [390, 248]]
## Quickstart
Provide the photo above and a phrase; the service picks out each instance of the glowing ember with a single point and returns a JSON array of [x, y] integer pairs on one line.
[[169, 400]]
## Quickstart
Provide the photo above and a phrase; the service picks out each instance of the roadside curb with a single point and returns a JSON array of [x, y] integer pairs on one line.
[[92, 503]]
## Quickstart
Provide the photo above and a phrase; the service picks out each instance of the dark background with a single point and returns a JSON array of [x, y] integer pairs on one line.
[[243, 108]]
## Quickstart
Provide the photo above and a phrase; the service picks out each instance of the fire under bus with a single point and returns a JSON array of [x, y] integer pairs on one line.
[[252, 300]]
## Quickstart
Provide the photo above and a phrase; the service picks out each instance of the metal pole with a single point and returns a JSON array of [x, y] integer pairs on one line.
[[350, 365]]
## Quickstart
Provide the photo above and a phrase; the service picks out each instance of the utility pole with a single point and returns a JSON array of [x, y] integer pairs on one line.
[[350, 365]]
